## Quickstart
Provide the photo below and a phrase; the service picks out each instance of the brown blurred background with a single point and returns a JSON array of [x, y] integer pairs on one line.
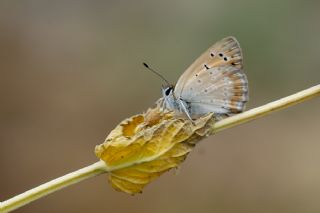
[[71, 70]]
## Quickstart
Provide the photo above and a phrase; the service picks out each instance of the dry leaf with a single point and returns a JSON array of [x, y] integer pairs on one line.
[[144, 146]]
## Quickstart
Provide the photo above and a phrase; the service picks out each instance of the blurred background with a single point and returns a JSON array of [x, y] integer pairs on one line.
[[71, 71]]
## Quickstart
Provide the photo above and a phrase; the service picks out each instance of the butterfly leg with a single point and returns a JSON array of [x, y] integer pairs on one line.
[[183, 106], [162, 105]]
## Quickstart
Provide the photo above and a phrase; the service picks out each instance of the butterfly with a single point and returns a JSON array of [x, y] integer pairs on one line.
[[215, 83]]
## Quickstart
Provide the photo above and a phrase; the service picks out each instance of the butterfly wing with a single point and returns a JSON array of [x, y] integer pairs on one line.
[[222, 90], [215, 81]]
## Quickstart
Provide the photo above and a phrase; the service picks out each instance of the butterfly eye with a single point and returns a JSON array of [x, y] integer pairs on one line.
[[168, 90]]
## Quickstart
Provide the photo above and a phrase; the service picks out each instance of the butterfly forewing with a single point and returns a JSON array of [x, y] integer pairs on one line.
[[215, 81], [226, 51]]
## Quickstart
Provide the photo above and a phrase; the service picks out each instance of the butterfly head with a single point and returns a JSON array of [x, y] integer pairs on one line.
[[169, 98], [167, 91]]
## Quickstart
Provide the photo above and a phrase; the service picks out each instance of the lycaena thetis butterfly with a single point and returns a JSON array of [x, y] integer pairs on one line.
[[215, 82]]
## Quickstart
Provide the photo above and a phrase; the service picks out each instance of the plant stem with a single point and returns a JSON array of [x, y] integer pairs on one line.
[[100, 167], [266, 109], [52, 186]]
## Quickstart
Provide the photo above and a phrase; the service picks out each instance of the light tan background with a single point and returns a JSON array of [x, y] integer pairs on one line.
[[71, 70]]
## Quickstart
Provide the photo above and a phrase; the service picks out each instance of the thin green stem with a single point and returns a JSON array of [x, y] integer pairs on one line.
[[266, 109], [52, 186], [100, 167]]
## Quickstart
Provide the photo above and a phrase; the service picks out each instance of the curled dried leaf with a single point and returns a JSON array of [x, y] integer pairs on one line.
[[143, 147]]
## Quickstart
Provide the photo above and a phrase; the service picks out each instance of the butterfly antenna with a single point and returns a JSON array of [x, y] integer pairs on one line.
[[155, 72]]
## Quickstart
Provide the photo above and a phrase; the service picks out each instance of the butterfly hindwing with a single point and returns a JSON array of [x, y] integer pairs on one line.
[[222, 90]]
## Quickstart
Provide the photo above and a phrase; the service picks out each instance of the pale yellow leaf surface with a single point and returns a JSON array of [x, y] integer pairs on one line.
[[143, 147]]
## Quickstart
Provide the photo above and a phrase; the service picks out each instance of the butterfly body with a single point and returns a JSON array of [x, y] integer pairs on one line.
[[172, 103], [215, 82]]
